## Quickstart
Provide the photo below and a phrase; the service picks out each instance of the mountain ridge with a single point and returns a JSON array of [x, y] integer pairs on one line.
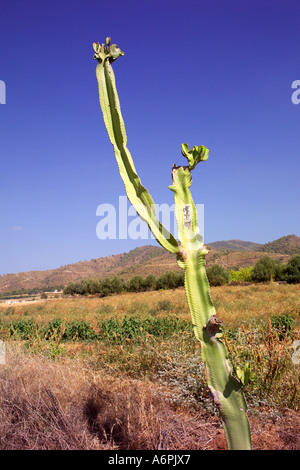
[[288, 244], [235, 245]]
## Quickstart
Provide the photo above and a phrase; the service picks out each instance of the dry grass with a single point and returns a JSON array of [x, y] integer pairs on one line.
[[142, 395], [63, 405], [233, 304], [236, 303]]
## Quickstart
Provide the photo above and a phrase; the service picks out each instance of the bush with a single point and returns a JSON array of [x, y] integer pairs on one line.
[[136, 284], [150, 282], [76, 330], [91, 286], [170, 280], [116, 285], [293, 269], [111, 329], [283, 324], [242, 275], [81, 330], [280, 272], [135, 328], [24, 329], [217, 275], [54, 328], [264, 270]]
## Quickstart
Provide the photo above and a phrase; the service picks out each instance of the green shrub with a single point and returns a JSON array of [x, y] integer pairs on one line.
[[170, 280], [136, 284], [24, 329], [116, 285], [264, 270], [167, 326], [54, 328], [76, 330], [150, 282], [91, 286], [293, 269], [217, 275], [283, 324], [136, 328], [111, 329], [81, 330], [241, 275]]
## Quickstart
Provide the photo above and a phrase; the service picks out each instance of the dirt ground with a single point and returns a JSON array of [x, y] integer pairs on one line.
[[268, 433]]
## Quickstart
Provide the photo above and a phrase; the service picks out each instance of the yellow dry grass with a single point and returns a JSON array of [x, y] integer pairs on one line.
[[97, 396], [233, 304]]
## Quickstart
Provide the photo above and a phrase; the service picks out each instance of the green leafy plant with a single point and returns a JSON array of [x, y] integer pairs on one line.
[[134, 328], [283, 324], [79, 330], [224, 387], [23, 329]]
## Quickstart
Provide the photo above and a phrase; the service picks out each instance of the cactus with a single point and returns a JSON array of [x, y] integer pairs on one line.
[[226, 390]]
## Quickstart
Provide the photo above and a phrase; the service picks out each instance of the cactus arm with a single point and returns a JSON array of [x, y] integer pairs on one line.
[[137, 194], [225, 389]]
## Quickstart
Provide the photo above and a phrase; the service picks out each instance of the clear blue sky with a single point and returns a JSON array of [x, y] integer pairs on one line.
[[216, 73]]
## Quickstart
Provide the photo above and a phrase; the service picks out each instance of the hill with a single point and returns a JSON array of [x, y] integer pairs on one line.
[[126, 264], [235, 245], [289, 245], [150, 259]]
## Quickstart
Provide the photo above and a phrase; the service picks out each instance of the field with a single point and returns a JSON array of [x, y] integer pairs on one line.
[[124, 372]]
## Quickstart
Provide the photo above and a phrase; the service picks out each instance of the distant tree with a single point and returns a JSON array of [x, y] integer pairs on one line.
[[105, 287], [169, 280], [217, 275], [91, 286], [117, 285], [69, 289], [150, 282], [280, 272], [264, 269], [136, 284], [44, 296], [293, 269]]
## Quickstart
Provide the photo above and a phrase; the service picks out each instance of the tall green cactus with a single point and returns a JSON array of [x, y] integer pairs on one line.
[[225, 389]]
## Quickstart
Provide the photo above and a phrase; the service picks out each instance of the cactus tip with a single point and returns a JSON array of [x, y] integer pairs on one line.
[[195, 155], [106, 51]]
